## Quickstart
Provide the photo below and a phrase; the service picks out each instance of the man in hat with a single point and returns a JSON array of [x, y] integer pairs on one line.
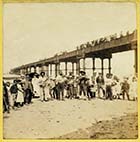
[[13, 92], [100, 84], [82, 83], [125, 88], [42, 84], [6, 104], [51, 85], [28, 87], [70, 85], [60, 86], [108, 83]]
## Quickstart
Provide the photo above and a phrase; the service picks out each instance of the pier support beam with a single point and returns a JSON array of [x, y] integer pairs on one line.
[[73, 67], [40, 69], [58, 68], [136, 61], [109, 65], [93, 65], [84, 65], [55, 70], [102, 66], [78, 66], [34, 69], [50, 69], [66, 68], [47, 70], [29, 69], [26, 70]]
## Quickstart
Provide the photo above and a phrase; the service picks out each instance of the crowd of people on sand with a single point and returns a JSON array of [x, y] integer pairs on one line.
[[21, 91]]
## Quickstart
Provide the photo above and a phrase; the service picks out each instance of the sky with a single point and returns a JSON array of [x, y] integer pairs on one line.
[[34, 31]]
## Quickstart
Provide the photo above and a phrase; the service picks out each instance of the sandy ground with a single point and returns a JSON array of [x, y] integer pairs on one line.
[[125, 127], [73, 119]]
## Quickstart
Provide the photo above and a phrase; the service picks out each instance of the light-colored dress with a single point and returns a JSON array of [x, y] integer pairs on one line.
[[20, 96], [116, 89], [36, 87], [133, 89]]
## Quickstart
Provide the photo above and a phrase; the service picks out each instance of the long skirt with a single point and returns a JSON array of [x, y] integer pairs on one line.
[[13, 99], [20, 97]]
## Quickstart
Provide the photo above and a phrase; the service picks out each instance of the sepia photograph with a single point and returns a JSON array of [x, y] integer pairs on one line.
[[70, 70]]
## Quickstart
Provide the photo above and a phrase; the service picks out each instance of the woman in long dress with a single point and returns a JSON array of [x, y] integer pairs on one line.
[[20, 96], [35, 82], [133, 89]]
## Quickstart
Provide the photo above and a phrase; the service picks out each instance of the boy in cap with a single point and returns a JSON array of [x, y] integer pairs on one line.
[[125, 88], [100, 84]]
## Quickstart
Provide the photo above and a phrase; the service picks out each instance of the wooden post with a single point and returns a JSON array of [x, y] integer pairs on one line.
[[102, 66], [109, 65], [73, 67], [77, 66], [66, 68], [84, 66], [93, 63]]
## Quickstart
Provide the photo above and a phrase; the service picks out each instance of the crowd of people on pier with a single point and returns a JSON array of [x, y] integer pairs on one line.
[[22, 91], [104, 40]]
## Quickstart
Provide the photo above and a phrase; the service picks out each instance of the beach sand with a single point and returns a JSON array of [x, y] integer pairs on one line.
[[73, 119]]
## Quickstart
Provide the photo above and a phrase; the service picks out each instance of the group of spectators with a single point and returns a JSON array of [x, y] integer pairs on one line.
[[21, 91], [103, 40], [17, 93]]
